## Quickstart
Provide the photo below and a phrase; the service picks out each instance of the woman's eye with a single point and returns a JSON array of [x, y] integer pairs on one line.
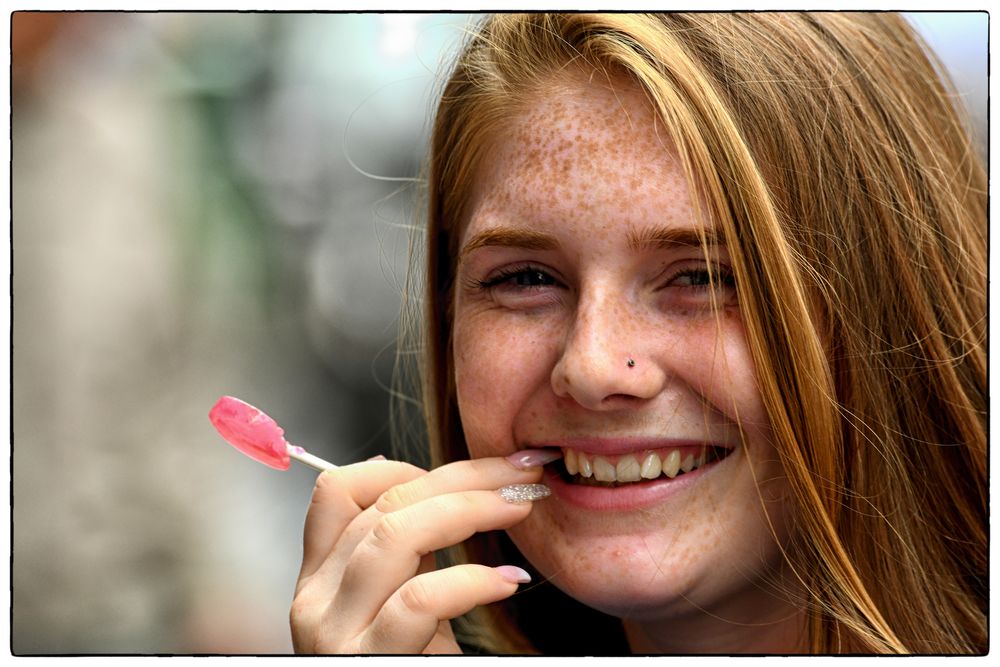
[[519, 278], [697, 288], [703, 278], [522, 287]]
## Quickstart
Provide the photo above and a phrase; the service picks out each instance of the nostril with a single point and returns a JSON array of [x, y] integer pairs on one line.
[[620, 401]]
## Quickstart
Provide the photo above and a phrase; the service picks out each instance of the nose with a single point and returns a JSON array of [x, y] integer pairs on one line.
[[601, 364]]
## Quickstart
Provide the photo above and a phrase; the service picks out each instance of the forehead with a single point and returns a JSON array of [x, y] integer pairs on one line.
[[605, 120], [594, 106], [582, 144]]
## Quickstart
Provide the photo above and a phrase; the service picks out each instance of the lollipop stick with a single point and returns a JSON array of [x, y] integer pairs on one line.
[[302, 456]]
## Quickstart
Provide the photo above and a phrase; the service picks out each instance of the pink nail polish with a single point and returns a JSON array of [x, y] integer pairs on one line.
[[530, 458], [513, 574], [377, 457]]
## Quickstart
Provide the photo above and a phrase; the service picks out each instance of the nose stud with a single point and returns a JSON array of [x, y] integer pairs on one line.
[[630, 363]]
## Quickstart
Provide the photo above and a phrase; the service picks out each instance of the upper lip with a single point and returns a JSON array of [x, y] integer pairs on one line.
[[625, 445]]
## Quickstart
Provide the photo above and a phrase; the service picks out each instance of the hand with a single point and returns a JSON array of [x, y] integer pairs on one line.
[[368, 582]]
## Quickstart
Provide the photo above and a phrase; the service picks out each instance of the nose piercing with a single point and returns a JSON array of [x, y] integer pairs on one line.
[[630, 363]]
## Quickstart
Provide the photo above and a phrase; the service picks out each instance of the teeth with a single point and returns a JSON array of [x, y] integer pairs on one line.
[[651, 466], [627, 469], [603, 471], [672, 464], [569, 459]]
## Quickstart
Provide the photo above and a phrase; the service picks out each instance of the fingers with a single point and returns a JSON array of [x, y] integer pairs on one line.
[[410, 618], [339, 496], [485, 473], [370, 534], [391, 552]]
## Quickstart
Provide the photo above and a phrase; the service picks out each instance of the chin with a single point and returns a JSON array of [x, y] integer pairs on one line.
[[650, 574], [617, 575]]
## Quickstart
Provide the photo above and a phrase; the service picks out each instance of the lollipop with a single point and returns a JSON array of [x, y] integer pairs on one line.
[[258, 436]]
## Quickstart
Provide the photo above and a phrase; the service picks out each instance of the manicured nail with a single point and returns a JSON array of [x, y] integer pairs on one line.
[[531, 458], [513, 574], [524, 493], [377, 457]]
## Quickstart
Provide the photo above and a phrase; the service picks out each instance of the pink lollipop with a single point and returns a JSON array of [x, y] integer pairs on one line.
[[258, 436]]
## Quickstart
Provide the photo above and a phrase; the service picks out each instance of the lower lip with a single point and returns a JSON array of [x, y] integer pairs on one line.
[[639, 495]]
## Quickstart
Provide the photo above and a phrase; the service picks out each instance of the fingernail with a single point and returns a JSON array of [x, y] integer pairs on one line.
[[524, 493], [377, 457], [513, 574], [530, 458]]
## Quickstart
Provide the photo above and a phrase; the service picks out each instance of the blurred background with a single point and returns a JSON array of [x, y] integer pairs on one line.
[[208, 204]]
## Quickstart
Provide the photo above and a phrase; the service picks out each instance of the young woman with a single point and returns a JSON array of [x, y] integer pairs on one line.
[[717, 282]]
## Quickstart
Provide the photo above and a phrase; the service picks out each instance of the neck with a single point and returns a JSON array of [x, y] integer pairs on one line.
[[779, 630]]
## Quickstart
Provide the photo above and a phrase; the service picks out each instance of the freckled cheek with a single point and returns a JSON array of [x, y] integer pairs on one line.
[[721, 368], [743, 381], [487, 354], [498, 368]]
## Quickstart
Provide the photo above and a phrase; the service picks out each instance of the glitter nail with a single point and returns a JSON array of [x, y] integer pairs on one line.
[[524, 493]]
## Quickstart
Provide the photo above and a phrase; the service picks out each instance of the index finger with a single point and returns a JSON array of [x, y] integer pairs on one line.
[[484, 474]]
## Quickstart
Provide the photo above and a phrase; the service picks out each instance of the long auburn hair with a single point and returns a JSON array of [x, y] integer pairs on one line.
[[830, 151]]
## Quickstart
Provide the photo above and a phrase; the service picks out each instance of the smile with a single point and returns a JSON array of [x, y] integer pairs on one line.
[[612, 471]]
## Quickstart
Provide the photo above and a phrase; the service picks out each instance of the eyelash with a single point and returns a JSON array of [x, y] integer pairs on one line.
[[506, 275], [723, 277], [720, 276]]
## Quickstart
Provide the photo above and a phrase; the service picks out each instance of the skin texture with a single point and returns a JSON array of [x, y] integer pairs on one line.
[[573, 185]]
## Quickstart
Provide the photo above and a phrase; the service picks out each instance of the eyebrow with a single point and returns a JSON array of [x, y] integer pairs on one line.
[[669, 237], [510, 237], [650, 237]]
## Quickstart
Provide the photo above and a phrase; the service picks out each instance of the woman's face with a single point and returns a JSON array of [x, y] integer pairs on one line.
[[581, 255]]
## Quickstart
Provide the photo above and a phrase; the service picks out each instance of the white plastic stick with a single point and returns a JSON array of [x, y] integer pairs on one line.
[[310, 460]]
